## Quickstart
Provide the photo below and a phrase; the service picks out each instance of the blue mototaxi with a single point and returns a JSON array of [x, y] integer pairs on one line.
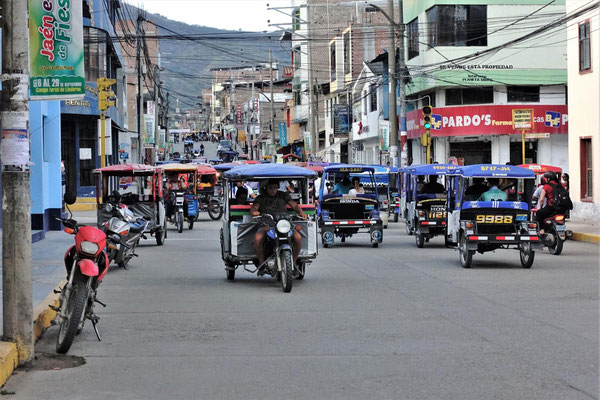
[[344, 215], [426, 212], [237, 233], [382, 182], [395, 192], [482, 226]]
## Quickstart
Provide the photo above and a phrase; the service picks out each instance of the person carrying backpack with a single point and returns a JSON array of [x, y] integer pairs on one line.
[[558, 201]]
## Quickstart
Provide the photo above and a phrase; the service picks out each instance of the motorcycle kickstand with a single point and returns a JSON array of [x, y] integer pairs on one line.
[[94, 322], [99, 302]]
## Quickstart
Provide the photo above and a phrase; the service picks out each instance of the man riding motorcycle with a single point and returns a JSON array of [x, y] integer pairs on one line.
[[549, 209], [175, 184], [274, 202]]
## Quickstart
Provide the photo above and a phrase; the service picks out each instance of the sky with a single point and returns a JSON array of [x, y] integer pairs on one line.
[[247, 15]]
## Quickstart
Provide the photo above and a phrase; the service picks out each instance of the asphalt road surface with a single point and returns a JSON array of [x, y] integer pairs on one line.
[[395, 322]]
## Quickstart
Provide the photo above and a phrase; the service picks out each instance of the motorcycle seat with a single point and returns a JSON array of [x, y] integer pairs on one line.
[[138, 225]]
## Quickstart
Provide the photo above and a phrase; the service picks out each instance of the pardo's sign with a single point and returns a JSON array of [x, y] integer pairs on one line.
[[488, 120], [56, 50]]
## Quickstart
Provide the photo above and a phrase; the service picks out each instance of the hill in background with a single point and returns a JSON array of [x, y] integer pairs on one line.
[[187, 60]]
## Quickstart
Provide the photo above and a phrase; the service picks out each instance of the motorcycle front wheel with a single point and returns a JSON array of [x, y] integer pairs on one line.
[[179, 222], [75, 308], [286, 264]]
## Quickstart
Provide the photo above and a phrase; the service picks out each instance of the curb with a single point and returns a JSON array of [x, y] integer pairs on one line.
[[586, 237], [43, 316]]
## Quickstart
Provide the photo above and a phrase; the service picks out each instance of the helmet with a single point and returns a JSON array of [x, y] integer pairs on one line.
[[550, 176]]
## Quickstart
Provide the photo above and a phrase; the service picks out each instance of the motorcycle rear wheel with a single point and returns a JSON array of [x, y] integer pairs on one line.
[[75, 310], [287, 270], [215, 211], [557, 247]]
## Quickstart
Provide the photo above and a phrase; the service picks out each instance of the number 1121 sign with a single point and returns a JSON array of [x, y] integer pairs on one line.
[[56, 62]]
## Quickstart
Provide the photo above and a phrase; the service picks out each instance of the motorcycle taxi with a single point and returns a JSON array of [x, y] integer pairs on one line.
[[208, 194], [140, 188], [477, 225], [382, 188], [344, 215], [395, 193], [181, 192], [426, 212], [239, 227]]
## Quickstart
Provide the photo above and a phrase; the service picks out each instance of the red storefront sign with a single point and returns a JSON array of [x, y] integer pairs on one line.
[[487, 120]]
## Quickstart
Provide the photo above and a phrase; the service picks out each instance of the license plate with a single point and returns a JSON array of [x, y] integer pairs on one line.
[[179, 201], [561, 228], [437, 215]]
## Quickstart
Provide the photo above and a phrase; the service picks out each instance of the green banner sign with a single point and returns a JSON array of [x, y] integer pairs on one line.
[[56, 60]]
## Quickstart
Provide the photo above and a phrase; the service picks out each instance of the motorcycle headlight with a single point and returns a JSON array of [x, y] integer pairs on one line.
[[89, 248], [283, 226]]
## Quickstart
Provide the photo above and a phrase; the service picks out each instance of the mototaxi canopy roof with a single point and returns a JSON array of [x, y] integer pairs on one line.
[[266, 171], [127, 170], [494, 171], [540, 169], [432, 169], [179, 167], [348, 168], [225, 167], [205, 169]]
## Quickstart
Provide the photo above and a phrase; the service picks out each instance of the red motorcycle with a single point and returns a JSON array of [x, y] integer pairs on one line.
[[87, 264]]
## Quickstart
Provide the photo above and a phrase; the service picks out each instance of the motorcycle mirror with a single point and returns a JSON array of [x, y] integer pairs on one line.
[[108, 207], [70, 198]]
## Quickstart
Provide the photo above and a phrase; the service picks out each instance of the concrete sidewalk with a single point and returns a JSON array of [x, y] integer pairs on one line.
[[585, 230]]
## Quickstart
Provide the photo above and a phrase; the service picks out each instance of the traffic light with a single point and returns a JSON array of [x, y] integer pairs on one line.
[[105, 95], [427, 117]]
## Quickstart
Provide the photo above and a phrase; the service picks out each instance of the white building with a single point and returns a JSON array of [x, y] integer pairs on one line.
[[584, 104]]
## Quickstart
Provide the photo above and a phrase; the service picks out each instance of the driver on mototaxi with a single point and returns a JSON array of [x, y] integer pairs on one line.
[[273, 201]]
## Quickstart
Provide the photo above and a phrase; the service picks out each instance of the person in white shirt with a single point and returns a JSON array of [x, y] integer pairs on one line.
[[239, 184], [357, 188]]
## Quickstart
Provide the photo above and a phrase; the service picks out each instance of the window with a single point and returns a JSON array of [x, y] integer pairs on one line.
[[413, 38], [297, 59], [332, 59], [95, 53], [296, 19], [483, 95], [523, 94], [347, 53], [373, 97], [586, 168], [457, 25], [297, 97], [585, 63]]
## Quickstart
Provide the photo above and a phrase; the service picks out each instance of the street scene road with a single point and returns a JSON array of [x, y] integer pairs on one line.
[[393, 322]]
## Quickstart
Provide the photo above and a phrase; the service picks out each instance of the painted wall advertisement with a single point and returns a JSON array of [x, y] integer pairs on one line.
[[56, 50], [489, 120], [307, 143], [384, 135]]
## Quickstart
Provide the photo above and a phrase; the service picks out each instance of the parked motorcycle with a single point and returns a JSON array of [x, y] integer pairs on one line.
[[123, 231], [87, 264]]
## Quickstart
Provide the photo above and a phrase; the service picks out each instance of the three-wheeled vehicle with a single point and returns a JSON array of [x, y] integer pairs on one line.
[[209, 195], [499, 218], [426, 209], [382, 183], [395, 192], [239, 227], [140, 187], [343, 215], [181, 194], [555, 226]]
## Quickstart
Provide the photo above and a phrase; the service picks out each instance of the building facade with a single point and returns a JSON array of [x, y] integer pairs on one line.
[[80, 118], [584, 100], [468, 60]]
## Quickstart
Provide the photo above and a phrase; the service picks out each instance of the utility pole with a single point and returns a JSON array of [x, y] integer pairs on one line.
[[403, 154], [313, 124], [140, 105], [392, 80], [156, 111], [17, 287], [273, 148]]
